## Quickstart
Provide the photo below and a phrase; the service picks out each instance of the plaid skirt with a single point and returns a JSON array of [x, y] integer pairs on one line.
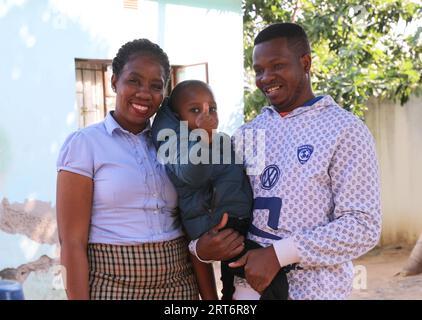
[[148, 271]]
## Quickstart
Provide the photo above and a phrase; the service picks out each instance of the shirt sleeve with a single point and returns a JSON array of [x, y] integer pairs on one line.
[[355, 225], [76, 155]]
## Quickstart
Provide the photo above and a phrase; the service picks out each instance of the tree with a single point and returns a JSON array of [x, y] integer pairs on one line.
[[359, 49]]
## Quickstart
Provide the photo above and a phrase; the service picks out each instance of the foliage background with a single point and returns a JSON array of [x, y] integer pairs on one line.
[[359, 49]]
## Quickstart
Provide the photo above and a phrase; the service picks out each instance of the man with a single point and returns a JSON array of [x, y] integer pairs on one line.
[[316, 202]]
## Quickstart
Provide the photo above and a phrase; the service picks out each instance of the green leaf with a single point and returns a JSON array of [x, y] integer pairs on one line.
[[358, 52]]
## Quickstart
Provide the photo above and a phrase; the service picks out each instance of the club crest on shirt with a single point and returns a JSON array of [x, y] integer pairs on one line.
[[269, 176], [304, 153]]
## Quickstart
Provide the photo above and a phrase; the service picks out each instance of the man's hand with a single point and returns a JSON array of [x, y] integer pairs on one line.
[[220, 245], [261, 266]]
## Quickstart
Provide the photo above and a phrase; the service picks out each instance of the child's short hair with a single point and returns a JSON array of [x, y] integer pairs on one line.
[[182, 86]]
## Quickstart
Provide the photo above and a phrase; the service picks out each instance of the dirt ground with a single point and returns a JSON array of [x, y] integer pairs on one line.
[[380, 267], [384, 282]]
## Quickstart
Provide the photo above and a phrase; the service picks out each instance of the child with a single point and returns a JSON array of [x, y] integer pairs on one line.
[[207, 190]]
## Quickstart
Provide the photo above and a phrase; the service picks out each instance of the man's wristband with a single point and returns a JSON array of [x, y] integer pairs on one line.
[[192, 250]]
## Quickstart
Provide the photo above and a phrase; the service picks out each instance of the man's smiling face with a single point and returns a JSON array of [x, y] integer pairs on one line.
[[281, 73]]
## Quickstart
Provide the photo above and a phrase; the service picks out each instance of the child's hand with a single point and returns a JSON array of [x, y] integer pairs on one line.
[[207, 121]]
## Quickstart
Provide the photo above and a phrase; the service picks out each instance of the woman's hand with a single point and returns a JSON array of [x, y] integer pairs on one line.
[[205, 278], [220, 245]]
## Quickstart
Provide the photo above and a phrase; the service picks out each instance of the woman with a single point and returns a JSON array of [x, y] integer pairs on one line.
[[119, 230]]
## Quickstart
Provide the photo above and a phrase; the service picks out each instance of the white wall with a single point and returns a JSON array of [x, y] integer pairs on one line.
[[398, 134], [214, 36]]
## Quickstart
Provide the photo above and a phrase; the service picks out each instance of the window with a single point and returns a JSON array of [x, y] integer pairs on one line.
[[179, 73], [130, 4], [94, 96]]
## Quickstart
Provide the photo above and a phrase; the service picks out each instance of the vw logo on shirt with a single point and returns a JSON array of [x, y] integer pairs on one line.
[[269, 176]]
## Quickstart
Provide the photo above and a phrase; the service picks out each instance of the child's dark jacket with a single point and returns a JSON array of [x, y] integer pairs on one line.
[[205, 191]]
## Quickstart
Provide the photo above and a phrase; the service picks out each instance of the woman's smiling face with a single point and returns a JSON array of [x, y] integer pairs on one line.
[[139, 91]]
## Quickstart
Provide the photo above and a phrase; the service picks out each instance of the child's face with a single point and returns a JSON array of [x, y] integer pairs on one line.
[[197, 106]]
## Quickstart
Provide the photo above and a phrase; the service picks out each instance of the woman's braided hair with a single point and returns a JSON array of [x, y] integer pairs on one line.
[[140, 47]]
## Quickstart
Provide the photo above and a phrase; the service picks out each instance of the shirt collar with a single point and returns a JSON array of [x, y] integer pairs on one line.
[[317, 102], [308, 103], [111, 125], [312, 101]]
